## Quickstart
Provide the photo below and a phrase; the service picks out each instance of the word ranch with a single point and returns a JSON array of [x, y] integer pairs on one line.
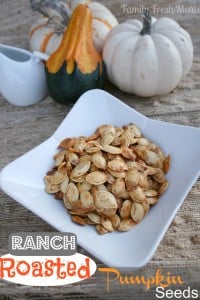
[[42, 244]]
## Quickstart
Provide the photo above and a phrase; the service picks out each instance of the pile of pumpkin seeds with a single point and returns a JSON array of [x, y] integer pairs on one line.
[[109, 179]]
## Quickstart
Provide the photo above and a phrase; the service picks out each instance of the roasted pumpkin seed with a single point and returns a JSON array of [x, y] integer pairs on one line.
[[96, 178], [81, 169], [125, 210], [118, 187], [105, 203], [99, 161], [132, 179], [137, 212], [126, 225], [106, 223]]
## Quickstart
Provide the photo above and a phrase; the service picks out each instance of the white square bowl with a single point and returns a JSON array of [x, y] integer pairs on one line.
[[23, 179]]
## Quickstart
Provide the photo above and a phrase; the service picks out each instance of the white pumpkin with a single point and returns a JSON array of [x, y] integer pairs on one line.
[[147, 59], [46, 33]]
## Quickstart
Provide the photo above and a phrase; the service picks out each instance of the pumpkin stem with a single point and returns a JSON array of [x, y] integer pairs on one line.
[[76, 47], [45, 7], [147, 23]]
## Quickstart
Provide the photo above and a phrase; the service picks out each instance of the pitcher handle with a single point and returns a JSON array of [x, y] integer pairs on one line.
[[40, 56]]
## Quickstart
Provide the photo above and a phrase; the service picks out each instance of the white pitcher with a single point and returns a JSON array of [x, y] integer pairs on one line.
[[22, 75]]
